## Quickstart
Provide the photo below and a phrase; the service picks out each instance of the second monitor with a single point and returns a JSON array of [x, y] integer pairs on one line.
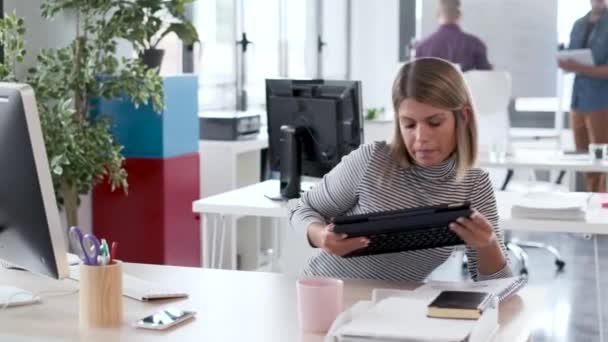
[[312, 124]]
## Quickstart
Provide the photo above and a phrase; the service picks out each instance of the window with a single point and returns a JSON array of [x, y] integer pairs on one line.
[[284, 44]]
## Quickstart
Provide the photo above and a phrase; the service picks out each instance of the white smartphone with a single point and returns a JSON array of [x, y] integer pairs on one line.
[[165, 319]]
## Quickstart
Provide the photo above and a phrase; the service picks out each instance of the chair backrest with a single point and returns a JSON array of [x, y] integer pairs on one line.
[[491, 91], [491, 94]]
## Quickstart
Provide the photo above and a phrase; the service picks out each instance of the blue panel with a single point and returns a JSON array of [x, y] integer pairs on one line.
[[181, 115], [147, 134]]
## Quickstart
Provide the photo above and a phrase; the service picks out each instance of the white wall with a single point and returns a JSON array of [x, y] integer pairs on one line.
[[44, 34], [521, 36], [375, 38], [40, 33]]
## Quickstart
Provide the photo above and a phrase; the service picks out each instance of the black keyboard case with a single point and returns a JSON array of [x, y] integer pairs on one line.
[[405, 229]]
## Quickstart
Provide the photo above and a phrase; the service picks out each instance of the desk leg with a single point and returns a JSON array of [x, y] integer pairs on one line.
[[598, 288], [213, 237], [222, 227], [275, 245], [205, 239], [233, 244]]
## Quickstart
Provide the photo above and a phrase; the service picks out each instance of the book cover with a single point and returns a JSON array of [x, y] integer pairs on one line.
[[459, 304]]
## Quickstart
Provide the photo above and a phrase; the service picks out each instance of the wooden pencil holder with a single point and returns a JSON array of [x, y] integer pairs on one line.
[[100, 299]]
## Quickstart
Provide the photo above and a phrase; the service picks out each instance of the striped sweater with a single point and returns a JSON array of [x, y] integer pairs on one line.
[[370, 180]]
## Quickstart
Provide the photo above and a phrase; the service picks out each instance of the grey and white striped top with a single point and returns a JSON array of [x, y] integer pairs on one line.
[[370, 180]]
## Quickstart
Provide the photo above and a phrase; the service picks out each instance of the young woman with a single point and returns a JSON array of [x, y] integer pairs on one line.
[[430, 161], [589, 112]]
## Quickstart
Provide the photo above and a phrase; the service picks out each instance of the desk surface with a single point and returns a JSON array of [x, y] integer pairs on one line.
[[231, 306], [544, 159], [250, 200], [596, 221], [541, 104]]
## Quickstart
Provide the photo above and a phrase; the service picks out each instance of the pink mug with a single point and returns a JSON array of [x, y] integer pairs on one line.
[[319, 303]]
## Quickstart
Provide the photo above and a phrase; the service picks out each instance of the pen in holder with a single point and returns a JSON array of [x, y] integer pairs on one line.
[[100, 295]]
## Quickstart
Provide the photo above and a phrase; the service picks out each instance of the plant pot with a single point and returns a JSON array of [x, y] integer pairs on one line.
[[152, 58]]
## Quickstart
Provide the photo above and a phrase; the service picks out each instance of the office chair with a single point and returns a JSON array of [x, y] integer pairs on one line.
[[491, 95]]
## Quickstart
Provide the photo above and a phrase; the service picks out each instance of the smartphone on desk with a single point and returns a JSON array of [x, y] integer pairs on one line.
[[164, 319]]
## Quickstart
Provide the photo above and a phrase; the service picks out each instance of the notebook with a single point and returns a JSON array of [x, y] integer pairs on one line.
[[459, 304], [501, 288], [582, 56]]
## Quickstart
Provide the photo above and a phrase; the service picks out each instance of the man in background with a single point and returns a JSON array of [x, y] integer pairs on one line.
[[451, 43]]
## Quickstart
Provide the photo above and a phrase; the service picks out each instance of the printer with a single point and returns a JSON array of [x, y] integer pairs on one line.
[[229, 125]]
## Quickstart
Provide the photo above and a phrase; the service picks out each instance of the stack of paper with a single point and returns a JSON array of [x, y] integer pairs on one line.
[[551, 206], [404, 319]]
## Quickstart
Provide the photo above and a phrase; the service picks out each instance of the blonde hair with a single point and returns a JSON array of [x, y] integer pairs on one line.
[[438, 83], [450, 9]]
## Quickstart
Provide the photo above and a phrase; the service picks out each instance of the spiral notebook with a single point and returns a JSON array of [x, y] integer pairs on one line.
[[501, 288]]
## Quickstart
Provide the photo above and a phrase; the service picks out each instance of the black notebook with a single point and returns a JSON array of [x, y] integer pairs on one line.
[[459, 304], [404, 230]]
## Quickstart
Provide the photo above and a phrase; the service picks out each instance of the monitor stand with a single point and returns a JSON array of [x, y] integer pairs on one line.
[[13, 296], [275, 195]]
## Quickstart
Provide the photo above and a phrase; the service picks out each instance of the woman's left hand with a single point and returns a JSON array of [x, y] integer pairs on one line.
[[475, 230], [570, 65]]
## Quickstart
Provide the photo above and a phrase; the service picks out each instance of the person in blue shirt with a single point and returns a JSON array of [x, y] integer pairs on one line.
[[589, 107]]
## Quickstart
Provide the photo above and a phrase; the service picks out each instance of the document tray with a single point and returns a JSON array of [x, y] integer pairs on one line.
[[405, 229]]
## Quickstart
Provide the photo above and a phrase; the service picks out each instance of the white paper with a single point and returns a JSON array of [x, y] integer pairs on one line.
[[405, 318], [567, 206], [582, 56]]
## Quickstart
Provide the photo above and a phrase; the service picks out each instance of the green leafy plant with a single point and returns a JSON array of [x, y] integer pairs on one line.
[[149, 21], [81, 150], [373, 113], [12, 29]]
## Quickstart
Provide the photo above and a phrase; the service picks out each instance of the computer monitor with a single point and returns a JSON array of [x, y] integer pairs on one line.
[[312, 124], [31, 235]]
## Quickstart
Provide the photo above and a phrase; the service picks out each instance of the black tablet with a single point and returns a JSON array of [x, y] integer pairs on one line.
[[404, 230]]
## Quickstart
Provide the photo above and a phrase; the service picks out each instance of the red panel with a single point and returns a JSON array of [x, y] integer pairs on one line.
[[135, 221], [182, 228], [154, 223]]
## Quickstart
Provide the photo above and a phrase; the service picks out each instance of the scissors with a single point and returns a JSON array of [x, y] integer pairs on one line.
[[88, 243]]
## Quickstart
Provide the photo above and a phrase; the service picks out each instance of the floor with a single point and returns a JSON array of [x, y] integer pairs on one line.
[[570, 312]]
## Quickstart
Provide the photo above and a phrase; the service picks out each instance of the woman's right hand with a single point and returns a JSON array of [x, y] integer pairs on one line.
[[334, 243]]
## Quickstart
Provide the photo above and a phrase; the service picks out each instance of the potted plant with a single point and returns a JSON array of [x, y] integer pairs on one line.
[[81, 149], [373, 113], [149, 21]]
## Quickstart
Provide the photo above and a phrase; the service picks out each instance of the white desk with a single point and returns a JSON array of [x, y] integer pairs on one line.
[[541, 104], [228, 165], [251, 201], [246, 201], [230, 305], [558, 105], [544, 159]]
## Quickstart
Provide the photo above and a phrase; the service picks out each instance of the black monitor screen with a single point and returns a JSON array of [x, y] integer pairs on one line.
[[327, 112]]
